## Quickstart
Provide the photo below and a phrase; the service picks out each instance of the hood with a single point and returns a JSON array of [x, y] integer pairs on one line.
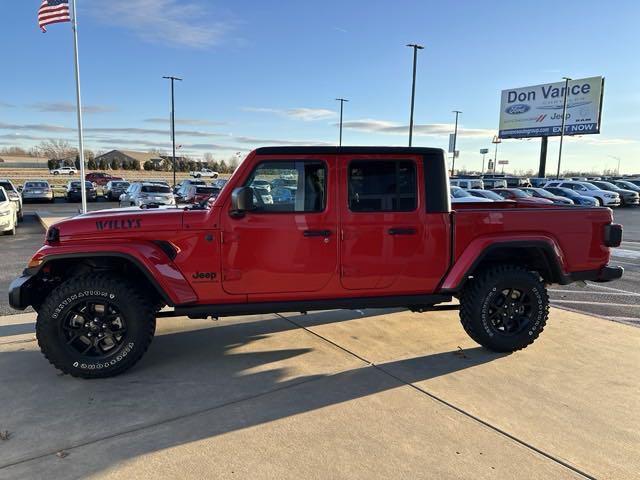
[[119, 222]]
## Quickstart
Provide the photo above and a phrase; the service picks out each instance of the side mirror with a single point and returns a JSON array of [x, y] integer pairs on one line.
[[20, 188], [242, 201]]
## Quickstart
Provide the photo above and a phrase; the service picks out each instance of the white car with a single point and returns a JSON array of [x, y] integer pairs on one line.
[[8, 214], [467, 183], [458, 195], [586, 189], [205, 172], [14, 195], [63, 171]]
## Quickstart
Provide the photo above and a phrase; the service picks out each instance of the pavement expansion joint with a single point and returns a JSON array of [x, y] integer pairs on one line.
[[484, 423]]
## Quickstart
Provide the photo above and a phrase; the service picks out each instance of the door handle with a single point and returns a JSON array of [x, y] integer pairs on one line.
[[317, 233], [402, 231]]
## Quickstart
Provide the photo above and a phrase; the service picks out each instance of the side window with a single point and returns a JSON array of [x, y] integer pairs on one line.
[[381, 186], [289, 186]]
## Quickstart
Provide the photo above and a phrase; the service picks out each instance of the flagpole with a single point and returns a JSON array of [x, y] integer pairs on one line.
[[74, 24]]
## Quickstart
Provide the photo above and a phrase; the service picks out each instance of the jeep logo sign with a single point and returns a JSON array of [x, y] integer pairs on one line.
[[517, 109], [536, 111]]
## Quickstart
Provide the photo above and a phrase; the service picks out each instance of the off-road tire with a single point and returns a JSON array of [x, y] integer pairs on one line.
[[134, 307], [476, 304]]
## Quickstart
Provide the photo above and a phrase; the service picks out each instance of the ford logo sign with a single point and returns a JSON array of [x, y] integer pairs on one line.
[[517, 109]]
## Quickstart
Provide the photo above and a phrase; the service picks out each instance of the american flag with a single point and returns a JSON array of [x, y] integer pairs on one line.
[[53, 11]]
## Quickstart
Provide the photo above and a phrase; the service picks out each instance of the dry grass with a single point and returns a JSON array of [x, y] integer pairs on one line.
[[20, 175]]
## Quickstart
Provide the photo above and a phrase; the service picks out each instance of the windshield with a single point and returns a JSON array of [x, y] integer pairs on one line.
[[120, 184], [36, 185], [155, 189], [606, 185], [542, 193], [588, 186], [622, 184], [518, 193], [203, 189], [457, 192], [77, 185], [565, 192], [7, 186], [487, 194]]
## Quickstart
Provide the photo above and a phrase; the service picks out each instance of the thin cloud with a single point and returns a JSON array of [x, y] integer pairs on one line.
[[600, 141], [166, 22], [6, 105], [184, 121], [67, 107], [35, 127], [269, 141], [433, 129], [302, 113], [153, 131], [48, 128]]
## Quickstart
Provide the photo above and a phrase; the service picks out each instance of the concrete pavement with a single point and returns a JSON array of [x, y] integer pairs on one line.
[[372, 394]]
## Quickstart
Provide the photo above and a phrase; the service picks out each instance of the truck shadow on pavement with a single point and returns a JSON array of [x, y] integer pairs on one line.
[[192, 385]]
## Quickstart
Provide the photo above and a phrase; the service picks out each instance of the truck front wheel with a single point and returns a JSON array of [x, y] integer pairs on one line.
[[95, 325], [504, 308]]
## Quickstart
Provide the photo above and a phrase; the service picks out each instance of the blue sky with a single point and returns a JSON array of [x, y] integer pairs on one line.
[[266, 72]]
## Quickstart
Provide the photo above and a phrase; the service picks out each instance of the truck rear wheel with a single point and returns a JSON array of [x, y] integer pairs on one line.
[[95, 326], [504, 308]]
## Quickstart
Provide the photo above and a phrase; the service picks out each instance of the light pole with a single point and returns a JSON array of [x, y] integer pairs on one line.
[[495, 140], [618, 159], [415, 47], [455, 138], [483, 152], [564, 118], [341, 100], [173, 125]]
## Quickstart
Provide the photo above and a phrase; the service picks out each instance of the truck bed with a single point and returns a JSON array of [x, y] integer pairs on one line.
[[576, 234]]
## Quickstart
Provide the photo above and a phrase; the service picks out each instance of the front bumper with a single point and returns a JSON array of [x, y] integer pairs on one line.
[[632, 200], [19, 291], [611, 202]]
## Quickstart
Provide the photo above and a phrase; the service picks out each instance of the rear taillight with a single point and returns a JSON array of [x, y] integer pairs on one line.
[[613, 235]]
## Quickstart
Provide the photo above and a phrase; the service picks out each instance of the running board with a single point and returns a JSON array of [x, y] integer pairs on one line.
[[416, 303]]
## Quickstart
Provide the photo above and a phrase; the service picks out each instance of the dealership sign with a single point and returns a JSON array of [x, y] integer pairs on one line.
[[537, 111]]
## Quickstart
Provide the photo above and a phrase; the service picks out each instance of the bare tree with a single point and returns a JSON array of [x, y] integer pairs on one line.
[[13, 151], [56, 149]]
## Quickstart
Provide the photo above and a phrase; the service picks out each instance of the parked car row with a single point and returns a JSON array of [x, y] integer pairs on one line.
[[560, 192]]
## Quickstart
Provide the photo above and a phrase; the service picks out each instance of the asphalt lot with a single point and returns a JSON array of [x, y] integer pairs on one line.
[[618, 301], [16, 251]]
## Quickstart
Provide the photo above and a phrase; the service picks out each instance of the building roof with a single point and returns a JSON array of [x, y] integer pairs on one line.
[[140, 156]]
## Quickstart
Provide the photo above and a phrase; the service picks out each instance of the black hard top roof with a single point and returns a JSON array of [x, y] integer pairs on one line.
[[304, 150]]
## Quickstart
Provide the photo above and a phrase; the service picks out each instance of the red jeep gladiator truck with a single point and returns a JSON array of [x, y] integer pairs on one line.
[[301, 229]]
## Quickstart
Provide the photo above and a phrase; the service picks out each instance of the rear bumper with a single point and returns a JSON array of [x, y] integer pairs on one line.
[[605, 274]]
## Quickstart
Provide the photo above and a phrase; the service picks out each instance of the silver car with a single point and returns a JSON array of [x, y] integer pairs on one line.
[[37, 191], [144, 193]]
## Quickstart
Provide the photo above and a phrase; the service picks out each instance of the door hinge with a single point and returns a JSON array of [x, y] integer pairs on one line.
[[221, 237], [341, 234]]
